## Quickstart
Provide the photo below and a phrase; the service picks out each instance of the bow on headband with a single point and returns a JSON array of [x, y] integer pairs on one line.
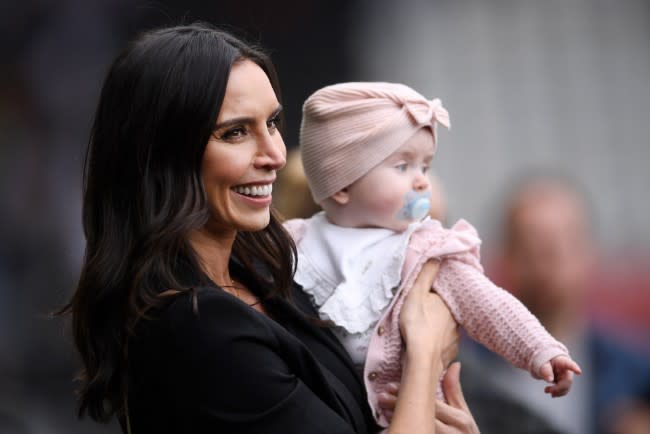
[[427, 113]]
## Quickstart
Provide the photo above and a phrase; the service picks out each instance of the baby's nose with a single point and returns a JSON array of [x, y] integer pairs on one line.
[[421, 183]]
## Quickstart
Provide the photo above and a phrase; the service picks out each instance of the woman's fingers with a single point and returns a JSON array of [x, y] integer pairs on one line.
[[386, 401], [392, 388], [451, 387], [424, 281], [448, 415], [455, 417], [450, 346], [455, 421], [421, 313]]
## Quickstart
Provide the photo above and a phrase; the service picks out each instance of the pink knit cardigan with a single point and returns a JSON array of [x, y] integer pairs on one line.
[[488, 314]]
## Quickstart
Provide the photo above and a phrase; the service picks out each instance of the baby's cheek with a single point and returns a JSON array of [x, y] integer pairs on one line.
[[387, 206]]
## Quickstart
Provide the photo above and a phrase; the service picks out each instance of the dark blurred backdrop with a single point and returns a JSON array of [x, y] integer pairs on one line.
[[558, 84]]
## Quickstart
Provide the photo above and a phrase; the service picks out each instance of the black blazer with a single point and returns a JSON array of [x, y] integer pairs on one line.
[[232, 369]]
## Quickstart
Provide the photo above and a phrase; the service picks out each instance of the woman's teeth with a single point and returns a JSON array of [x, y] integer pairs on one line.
[[256, 190]]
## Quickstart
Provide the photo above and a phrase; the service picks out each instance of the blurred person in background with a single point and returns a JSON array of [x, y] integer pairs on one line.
[[548, 261], [291, 195], [438, 210], [494, 413]]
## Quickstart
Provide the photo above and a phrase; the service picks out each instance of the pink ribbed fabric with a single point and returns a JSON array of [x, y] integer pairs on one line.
[[489, 314], [349, 128]]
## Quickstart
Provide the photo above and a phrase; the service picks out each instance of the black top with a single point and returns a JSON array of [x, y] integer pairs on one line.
[[232, 369]]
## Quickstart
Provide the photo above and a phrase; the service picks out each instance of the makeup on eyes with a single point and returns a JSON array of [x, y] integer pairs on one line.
[[224, 130]]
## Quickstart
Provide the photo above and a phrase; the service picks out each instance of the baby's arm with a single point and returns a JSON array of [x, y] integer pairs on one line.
[[495, 318]]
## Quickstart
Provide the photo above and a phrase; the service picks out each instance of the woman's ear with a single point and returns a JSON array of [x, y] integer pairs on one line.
[[341, 197]]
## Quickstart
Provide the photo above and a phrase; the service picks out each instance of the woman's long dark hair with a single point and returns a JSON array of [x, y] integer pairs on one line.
[[142, 195]]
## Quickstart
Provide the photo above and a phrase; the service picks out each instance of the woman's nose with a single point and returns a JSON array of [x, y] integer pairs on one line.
[[272, 154]]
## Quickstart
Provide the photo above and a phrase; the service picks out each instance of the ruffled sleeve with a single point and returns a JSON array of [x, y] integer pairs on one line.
[[431, 240], [352, 273], [296, 228]]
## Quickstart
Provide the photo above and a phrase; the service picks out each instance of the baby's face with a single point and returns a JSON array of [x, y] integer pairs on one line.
[[379, 198]]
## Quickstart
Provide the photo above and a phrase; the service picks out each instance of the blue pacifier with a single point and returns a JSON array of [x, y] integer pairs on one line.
[[416, 207]]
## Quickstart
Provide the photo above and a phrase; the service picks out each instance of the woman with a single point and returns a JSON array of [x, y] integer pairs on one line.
[[186, 315]]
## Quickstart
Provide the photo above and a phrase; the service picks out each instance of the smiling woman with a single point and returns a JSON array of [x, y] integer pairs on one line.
[[243, 153], [186, 315]]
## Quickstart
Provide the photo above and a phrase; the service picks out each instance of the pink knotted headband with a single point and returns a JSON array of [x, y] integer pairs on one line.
[[349, 128]]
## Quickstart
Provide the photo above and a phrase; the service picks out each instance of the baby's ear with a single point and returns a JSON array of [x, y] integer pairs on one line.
[[341, 197]]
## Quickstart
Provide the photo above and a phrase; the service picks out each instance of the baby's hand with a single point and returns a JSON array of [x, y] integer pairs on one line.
[[559, 370]]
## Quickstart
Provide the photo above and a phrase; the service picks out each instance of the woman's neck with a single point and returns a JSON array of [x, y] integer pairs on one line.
[[213, 251]]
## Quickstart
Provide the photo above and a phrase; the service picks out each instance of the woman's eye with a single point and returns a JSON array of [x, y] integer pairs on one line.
[[274, 123], [234, 133]]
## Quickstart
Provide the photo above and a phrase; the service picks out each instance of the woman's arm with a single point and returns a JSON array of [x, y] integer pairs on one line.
[[453, 417], [431, 337]]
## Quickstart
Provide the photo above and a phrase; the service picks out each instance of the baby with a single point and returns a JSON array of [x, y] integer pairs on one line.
[[366, 150]]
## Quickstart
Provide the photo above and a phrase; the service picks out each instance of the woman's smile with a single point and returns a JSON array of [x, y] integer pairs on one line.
[[255, 193]]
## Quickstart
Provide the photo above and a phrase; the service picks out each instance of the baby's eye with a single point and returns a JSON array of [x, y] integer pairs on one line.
[[403, 167], [425, 169]]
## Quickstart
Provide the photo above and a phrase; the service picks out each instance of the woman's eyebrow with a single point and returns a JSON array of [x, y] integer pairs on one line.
[[245, 119], [234, 121], [277, 111]]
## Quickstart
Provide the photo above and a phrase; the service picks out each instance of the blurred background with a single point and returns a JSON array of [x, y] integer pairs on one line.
[[560, 86]]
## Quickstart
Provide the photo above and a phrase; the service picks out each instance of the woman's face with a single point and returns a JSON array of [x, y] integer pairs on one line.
[[243, 154]]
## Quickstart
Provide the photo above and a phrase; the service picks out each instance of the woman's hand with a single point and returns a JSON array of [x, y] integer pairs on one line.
[[387, 400], [425, 321], [451, 418], [431, 337], [454, 417]]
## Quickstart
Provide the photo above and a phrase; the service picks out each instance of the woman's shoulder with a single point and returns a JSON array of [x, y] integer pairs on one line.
[[210, 310], [188, 303], [200, 320]]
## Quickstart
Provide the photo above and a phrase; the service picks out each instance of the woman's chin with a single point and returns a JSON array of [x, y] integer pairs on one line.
[[254, 223]]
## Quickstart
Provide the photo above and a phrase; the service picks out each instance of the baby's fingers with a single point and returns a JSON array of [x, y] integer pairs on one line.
[[573, 366], [546, 372], [563, 363], [557, 390], [561, 386]]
